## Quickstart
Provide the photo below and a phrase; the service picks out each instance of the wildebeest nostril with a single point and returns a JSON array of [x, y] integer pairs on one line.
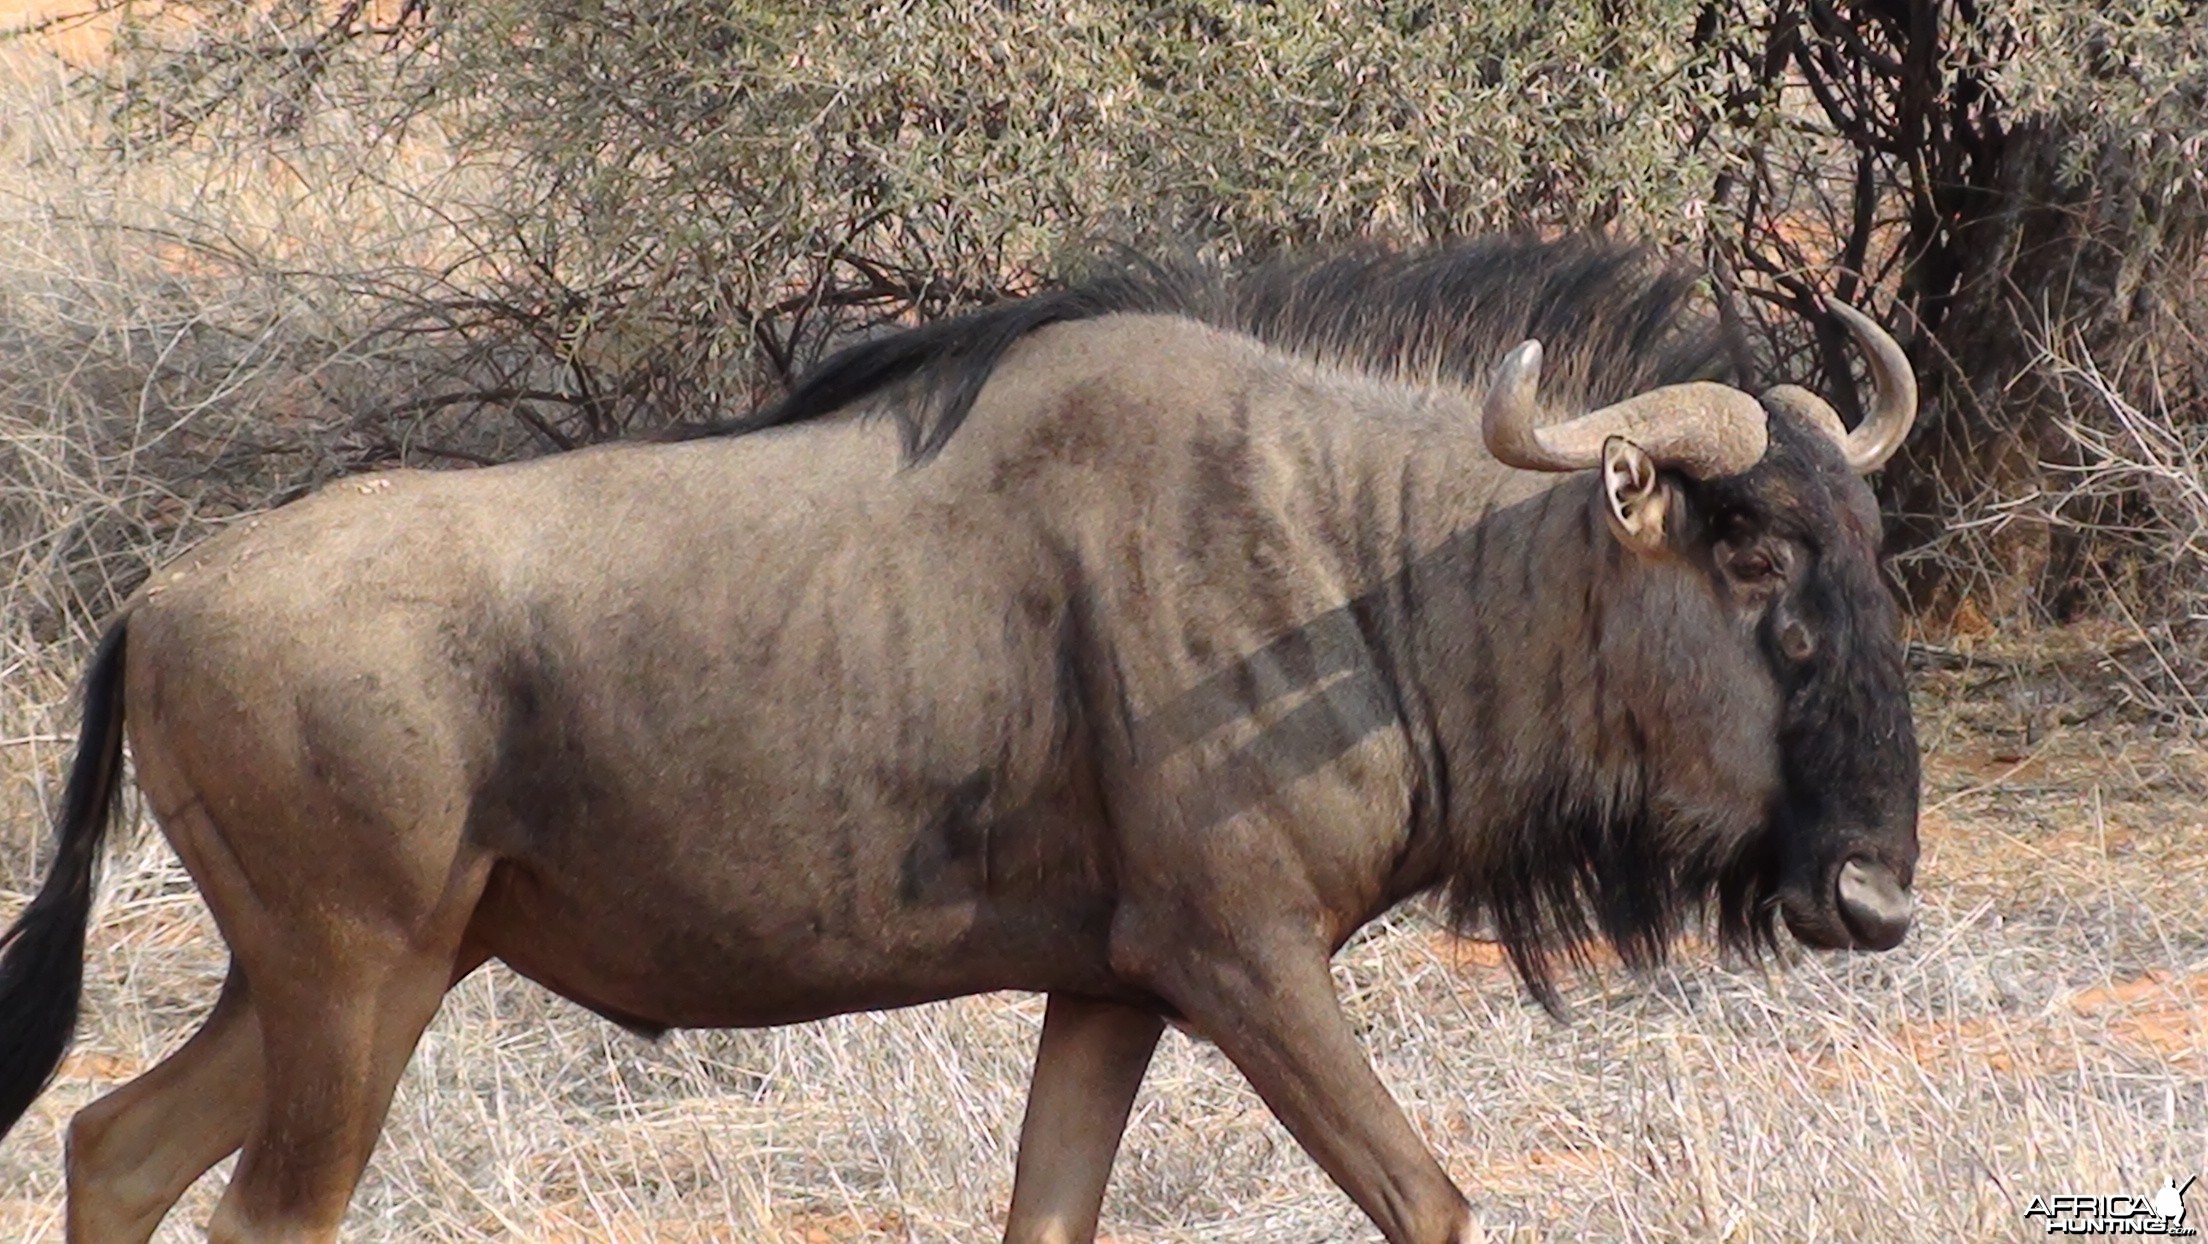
[[1874, 904]]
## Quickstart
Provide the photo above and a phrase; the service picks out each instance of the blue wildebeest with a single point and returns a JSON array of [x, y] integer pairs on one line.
[[1134, 643]]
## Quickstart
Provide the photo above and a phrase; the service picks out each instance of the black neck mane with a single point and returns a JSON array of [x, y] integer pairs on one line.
[[1613, 322]]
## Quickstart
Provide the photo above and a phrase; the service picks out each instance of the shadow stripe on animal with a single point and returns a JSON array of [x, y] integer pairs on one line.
[[1135, 644]]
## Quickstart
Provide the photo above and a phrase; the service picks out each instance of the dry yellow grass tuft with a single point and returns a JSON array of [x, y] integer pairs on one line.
[[73, 30]]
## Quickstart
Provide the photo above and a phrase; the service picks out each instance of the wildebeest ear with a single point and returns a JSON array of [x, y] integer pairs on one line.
[[1635, 497]]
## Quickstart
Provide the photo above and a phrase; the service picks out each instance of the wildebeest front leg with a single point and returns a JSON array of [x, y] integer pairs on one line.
[[1088, 1065], [1266, 998]]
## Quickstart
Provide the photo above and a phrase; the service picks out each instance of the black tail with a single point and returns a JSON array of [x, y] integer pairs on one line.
[[42, 956]]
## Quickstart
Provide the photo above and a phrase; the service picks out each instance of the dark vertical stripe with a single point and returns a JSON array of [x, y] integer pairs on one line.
[[1480, 621]]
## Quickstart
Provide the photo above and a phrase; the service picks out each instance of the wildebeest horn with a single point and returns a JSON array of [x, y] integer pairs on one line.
[[1707, 430], [1882, 431]]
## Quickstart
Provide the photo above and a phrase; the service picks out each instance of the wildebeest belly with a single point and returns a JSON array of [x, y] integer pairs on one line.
[[805, 909]]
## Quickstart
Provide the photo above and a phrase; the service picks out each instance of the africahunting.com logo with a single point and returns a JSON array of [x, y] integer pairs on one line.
[[2162, 1213]]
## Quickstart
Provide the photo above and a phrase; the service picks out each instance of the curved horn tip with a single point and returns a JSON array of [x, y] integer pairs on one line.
[[1887, 424], [1523, 358], [1868, 332], [1506, 418]]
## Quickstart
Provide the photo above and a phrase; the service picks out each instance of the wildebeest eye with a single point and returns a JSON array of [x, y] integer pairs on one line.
[[1752, 565]]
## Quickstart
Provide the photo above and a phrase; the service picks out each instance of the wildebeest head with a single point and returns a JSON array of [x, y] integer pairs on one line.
[[1752, 510]]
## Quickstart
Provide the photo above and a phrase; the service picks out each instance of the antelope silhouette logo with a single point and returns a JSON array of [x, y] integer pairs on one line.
[[2169, 1202]]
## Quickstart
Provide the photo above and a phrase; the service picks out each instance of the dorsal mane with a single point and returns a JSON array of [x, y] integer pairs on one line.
[[1613, 320]]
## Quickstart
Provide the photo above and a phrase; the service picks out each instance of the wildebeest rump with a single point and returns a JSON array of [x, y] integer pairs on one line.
[[1135, 643]]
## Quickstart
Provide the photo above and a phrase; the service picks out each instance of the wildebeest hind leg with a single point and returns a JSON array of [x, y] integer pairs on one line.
[[322, 814], [1088, 1065], [335, 1042], [133, 1152]]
